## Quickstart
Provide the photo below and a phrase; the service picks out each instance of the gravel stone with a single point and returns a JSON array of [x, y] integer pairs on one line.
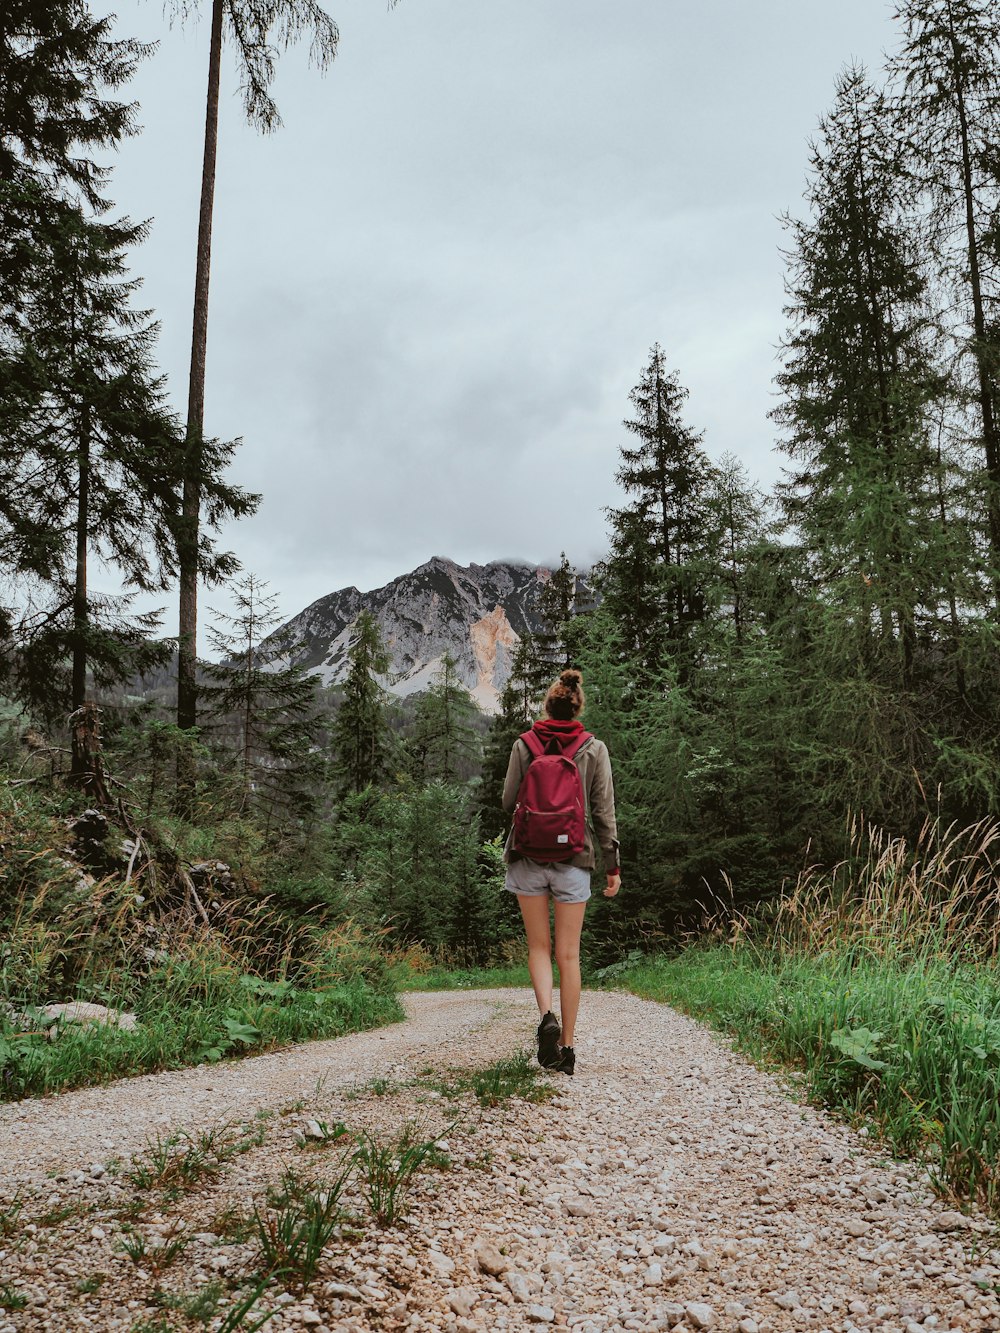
[[668, 1182]]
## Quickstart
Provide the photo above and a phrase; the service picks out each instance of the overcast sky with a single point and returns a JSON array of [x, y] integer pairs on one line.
[[434, 287]]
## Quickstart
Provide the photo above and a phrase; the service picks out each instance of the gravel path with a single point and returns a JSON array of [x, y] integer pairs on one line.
[[670, 1185]]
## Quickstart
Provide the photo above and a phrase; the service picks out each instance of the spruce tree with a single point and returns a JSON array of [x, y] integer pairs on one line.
[[257, 29], [948, 119], [520, 700], [89, 453], [862, 391], [58, 64], [859, 379], [444, 743], [83, 415], [654, 577], [262, 707], [361, 736], [740, 525], [556, 608]]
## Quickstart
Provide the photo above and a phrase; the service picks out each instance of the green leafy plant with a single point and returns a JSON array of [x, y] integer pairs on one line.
[[9, 1215], [156, 1257], [243, 1314], [201, 1305], [858, 1045], [516, 1075], [320, 1134]]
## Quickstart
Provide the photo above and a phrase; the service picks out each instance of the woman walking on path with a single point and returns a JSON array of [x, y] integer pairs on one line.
[[550, 851]]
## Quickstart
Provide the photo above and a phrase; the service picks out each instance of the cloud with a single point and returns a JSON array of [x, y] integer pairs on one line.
[[433, 289]]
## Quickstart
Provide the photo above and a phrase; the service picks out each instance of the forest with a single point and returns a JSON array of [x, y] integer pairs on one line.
[[799, 689]]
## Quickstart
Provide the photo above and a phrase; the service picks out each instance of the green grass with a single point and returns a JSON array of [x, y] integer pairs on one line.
[[440, 977], [230, 1019], [387, 1168], [293, 1231], [253, 979], [512, 1076], [910, 1046]]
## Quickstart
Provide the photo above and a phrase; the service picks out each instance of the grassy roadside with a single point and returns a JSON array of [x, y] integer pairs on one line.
[[910, 1047], [92, 911], [440, 977], [242, 1016]]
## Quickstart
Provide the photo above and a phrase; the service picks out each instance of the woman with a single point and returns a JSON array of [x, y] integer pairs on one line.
[[565, 880]]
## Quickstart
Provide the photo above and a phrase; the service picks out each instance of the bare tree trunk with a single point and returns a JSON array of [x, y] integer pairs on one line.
[[81, 610], [991, 436], [85, 725], [187, 690]]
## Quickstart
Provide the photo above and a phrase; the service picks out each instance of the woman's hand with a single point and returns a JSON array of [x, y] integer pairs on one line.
[[614, 884]]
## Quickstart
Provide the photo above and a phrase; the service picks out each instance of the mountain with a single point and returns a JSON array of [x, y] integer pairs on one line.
[[477, 613]]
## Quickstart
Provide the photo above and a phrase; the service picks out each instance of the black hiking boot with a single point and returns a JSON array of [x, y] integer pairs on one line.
[[548, 1041], [566, 1063]]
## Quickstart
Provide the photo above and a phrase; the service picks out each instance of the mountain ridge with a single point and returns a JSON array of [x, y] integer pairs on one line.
[[475, 613]]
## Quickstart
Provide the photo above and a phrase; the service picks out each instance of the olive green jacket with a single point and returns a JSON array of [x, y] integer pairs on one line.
[[594, 763]]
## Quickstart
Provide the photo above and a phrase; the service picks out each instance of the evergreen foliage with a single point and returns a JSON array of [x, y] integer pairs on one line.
[[759, 665], [262, 706], [653, 580], [556, 609], [947, 84], [417, 863], [444, 743], [361, 738]]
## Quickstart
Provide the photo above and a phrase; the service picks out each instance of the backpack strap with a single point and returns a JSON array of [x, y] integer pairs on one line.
[[571, 750], [533, 743]]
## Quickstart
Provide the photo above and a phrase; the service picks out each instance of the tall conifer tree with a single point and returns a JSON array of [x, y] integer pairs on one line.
[[556, 608], [361, 736], [444, 742], [861, 381], [654, 576], [257, 29], [948, 119], [263, 706]]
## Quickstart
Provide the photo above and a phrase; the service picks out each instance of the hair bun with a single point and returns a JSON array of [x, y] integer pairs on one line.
[[571, 678]]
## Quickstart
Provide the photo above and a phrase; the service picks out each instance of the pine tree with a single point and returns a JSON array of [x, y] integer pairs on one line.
[[948, 118], [361, 736], [444, 743], [263, 707], [862, 389], [653, 579], [257, 28], [556, 608]]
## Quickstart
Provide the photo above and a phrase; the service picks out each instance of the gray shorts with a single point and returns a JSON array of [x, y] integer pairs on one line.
[[566, 884]]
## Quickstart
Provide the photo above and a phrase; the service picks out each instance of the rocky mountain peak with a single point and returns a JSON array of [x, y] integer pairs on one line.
[[475, 613]]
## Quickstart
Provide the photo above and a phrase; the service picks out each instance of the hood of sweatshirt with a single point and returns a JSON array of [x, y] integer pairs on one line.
[[549, 729]]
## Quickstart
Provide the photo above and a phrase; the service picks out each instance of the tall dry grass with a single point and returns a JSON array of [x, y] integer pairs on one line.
[[937, 895]]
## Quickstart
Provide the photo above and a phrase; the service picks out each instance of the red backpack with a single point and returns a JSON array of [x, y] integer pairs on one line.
[[550, 821]]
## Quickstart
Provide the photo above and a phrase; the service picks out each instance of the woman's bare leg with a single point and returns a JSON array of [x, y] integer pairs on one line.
[[569, 924], [535, 911]]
